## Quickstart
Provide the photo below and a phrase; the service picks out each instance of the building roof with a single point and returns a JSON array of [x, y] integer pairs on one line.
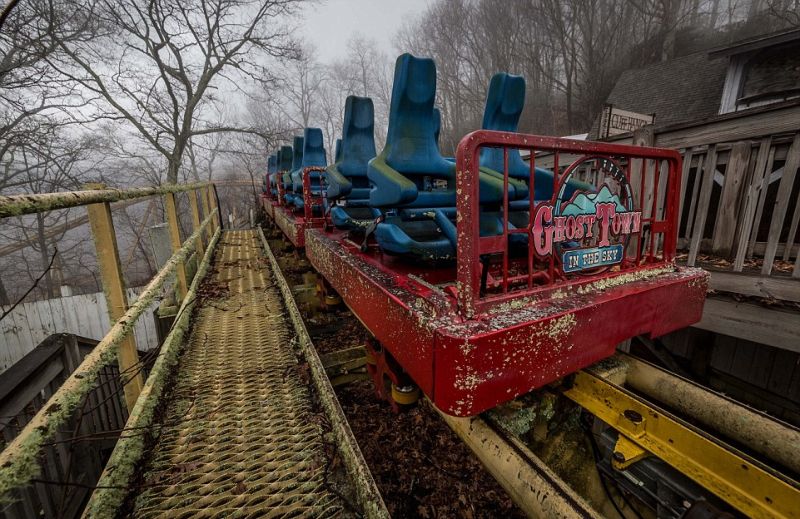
[[756, 43], [681, 90]]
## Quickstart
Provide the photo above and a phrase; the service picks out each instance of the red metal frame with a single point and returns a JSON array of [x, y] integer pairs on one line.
[[471, 246], [291, 224], [310, 200], [469, 353]]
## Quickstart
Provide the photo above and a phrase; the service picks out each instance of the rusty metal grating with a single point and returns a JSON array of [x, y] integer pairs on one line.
[[239, 436]]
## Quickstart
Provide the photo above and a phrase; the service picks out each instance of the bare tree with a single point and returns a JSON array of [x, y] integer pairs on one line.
[[49, 164], [786, 11], [302, 82], [34, 101], [159, 64]]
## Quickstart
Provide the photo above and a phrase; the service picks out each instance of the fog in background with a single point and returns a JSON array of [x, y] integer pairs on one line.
[[135, 92]]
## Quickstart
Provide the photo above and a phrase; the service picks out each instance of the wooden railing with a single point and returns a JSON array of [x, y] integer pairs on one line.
[[740, 209], [740, 199], [25, 389]]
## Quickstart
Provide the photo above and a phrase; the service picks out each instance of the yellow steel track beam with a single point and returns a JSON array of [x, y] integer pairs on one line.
[[730, 475]]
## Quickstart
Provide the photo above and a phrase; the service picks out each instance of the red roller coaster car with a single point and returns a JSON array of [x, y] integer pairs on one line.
[[558, 289]]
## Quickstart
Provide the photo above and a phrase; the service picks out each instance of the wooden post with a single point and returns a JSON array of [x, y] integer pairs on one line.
[[687, 165], [701, 211], [698, 178], [782, 204], [105, 241], [639, 168], [175, 235], [762, 197], [198, 243], [730, 210], [753, 190]]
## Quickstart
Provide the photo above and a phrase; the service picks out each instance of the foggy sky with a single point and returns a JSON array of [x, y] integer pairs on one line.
[[330, 23]]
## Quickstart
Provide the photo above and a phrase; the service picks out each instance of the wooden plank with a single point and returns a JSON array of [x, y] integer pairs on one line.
[[8, 343], [762, 196], [728, 211], [724, 350], [23, 330], [761, 246], [687, 166], [781, 203], [770, 326], [792, 232], [84, 314], [37, 329], [640, 170], [751, 198], [743, 360], [709, 169], [763, 360], [782, 288], [796, 271], [101, 319], [57, 315], [736, 127], [663, 181], [784, 366], [32, 386]]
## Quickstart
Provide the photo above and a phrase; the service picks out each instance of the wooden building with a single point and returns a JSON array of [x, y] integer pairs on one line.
[[734, 114]]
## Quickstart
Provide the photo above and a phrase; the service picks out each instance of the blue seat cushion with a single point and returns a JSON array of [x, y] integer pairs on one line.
[[353, 218], [427, 234]]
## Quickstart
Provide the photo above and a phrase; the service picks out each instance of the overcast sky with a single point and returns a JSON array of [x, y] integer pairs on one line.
[[330, 23]]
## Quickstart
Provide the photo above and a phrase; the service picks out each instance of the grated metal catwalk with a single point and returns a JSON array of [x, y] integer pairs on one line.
[[239, 435]]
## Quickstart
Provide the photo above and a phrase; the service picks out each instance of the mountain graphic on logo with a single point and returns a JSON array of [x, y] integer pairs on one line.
[[585, 203]]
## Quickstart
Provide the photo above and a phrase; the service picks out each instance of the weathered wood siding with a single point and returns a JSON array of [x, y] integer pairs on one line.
[[85, 315]]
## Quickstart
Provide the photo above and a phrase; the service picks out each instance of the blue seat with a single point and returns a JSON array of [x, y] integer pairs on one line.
[[297, 159], [412, 180], [348, 185], [283, 164], [437, 126], [505, 100], [504, 103], [410, 172], [313, 156], [272, 170], [337, 150]]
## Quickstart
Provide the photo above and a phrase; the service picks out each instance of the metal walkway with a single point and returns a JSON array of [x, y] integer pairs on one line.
[[239, 435]]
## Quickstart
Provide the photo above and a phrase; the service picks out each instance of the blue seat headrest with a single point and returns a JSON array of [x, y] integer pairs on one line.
[[504, 102], [297, 149], [313, 148], [338, 150], [410, 143], [437, 125], [358, 136], [285, 157]]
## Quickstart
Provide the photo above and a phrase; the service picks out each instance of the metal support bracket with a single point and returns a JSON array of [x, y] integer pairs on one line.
[[744, 483], [626, 453]]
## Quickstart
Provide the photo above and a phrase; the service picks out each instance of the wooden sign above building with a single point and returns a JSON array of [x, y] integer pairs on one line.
[[615, 121]]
